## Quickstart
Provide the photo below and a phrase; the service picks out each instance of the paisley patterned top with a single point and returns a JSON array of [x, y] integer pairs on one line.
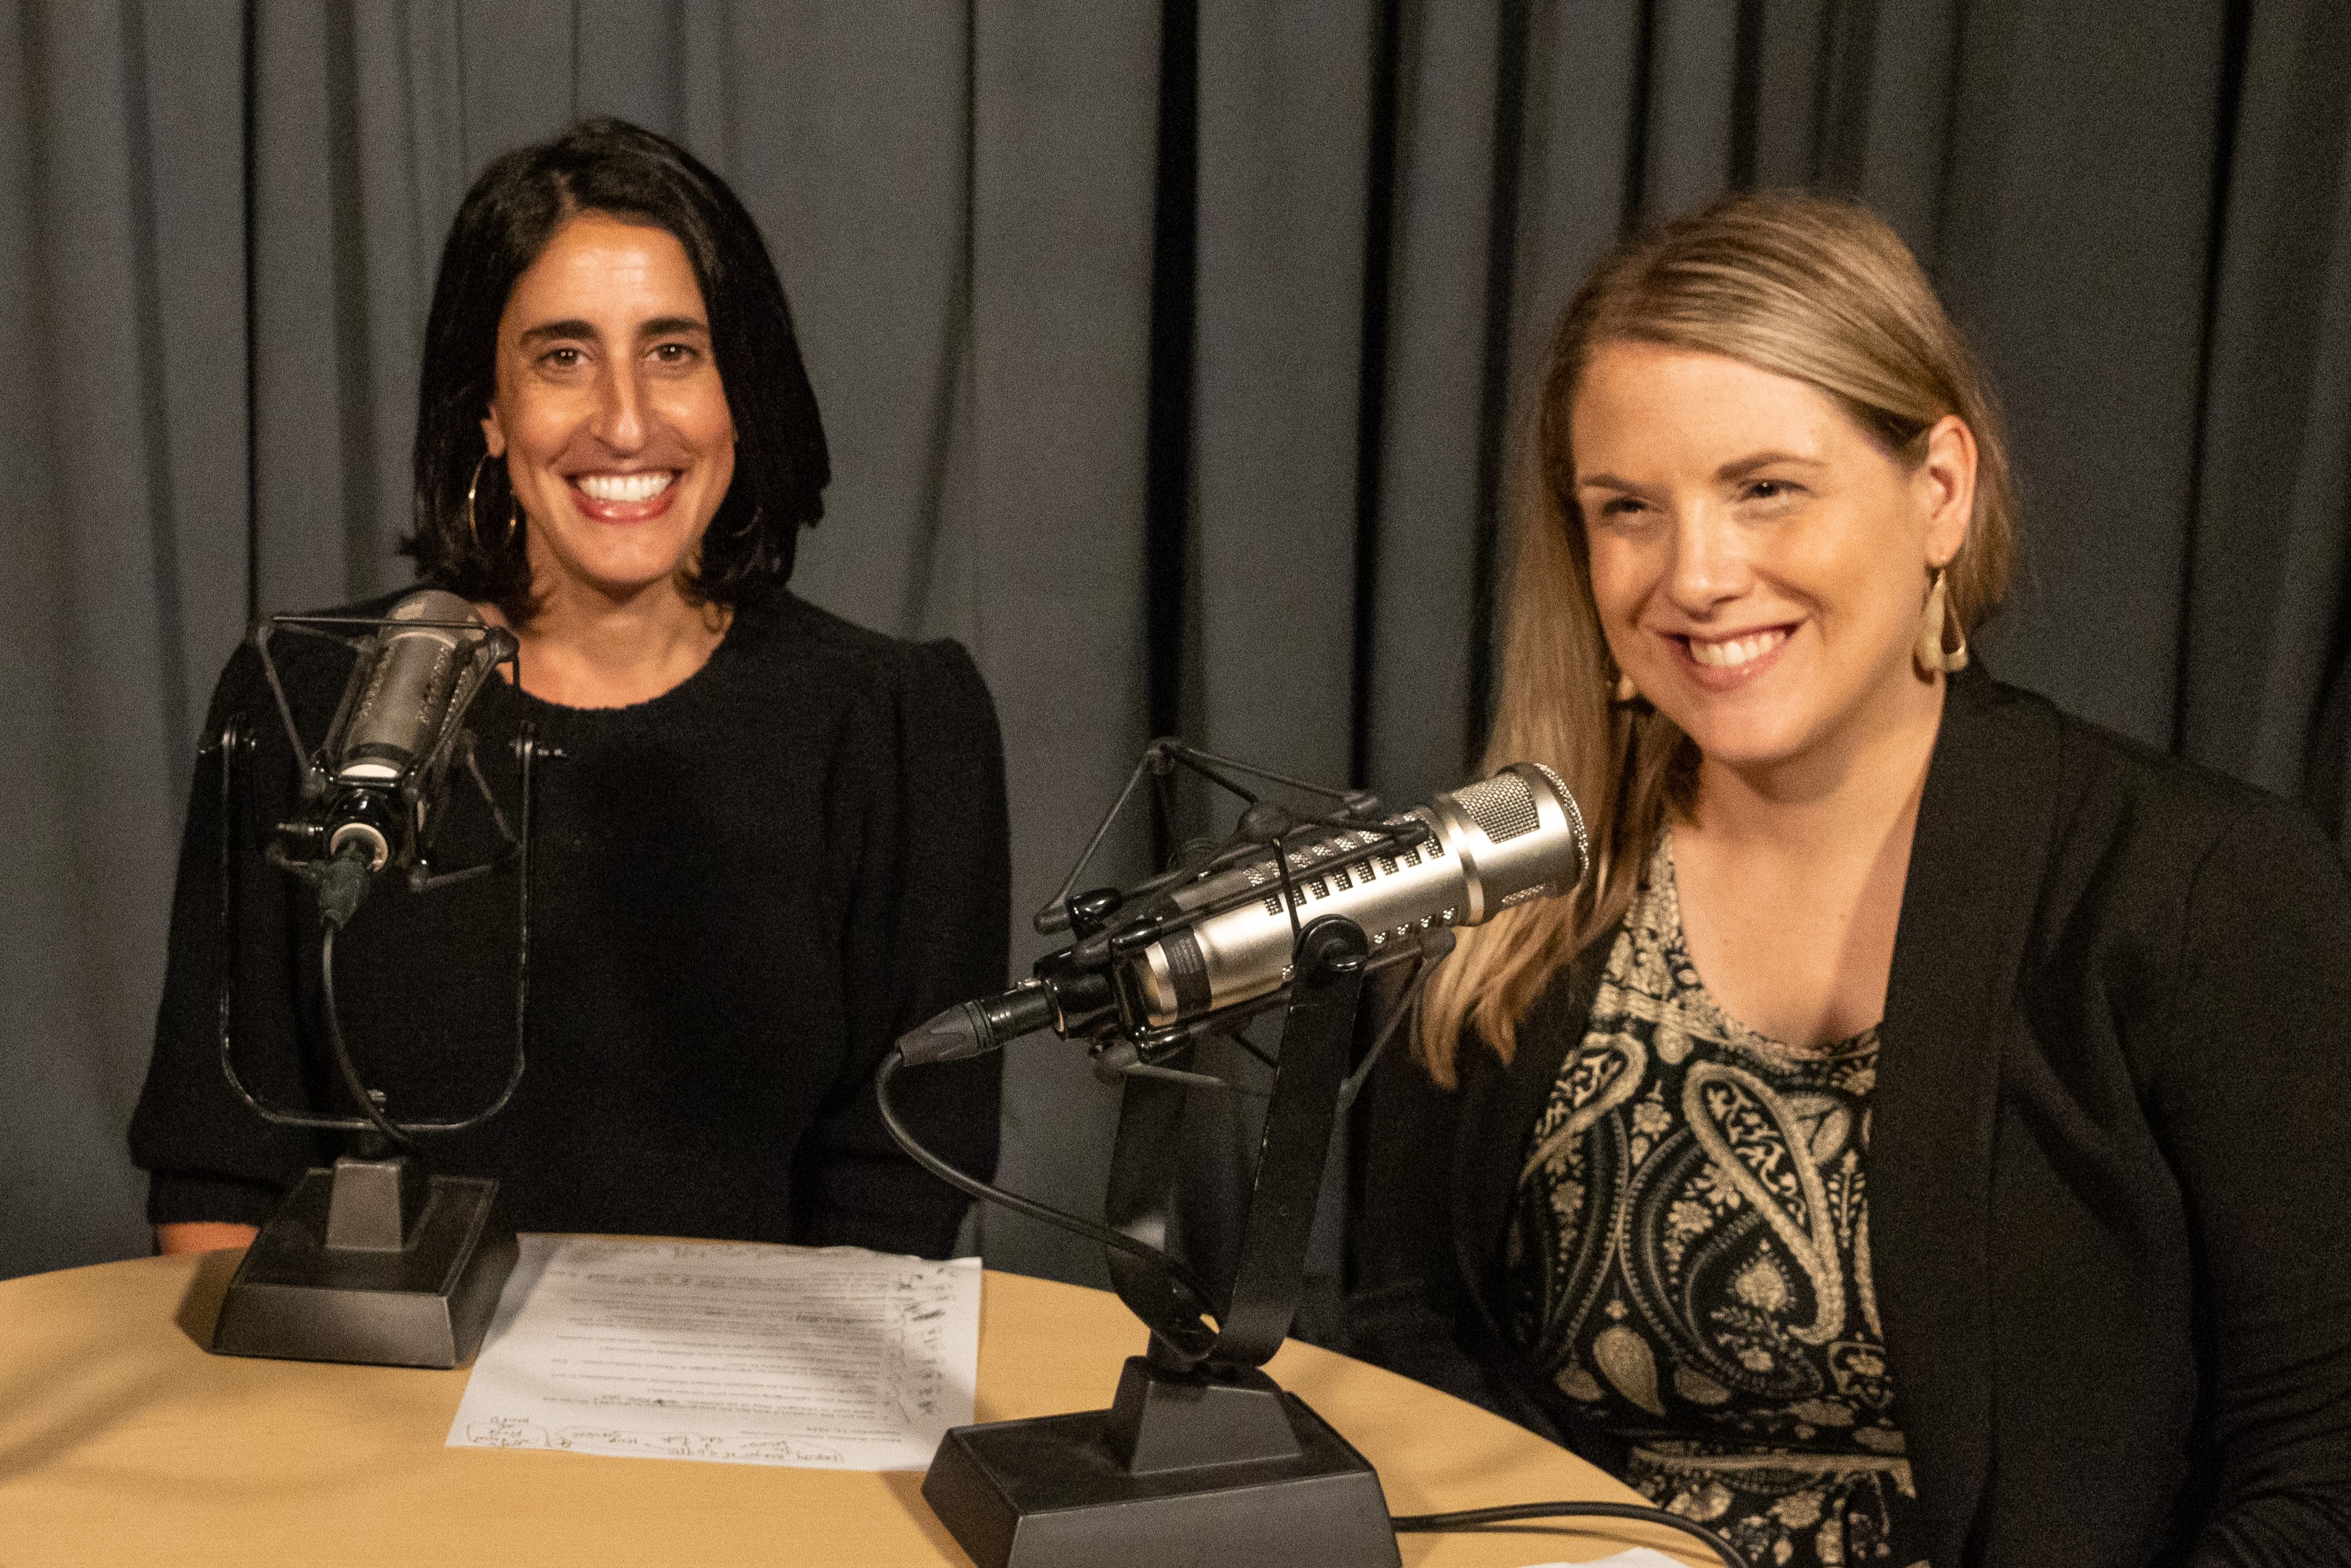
[[1690, 1259]]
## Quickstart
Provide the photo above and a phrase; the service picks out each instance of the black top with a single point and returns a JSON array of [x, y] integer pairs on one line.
[[1687, 1257], [2110, 1213], [743, 892]]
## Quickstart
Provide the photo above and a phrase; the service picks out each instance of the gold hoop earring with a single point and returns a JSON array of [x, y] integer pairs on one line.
[[1932, 656], [473, 524]]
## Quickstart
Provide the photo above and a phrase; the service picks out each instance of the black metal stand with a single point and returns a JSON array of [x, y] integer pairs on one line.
[[336, 1275], [1202, 1459], [371, 1261], [1055, 1493]]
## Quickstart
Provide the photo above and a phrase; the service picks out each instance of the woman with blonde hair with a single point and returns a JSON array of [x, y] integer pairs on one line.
[[1916, 1140]]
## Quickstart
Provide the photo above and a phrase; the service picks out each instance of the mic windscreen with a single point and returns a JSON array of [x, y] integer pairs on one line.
[[405, 705]]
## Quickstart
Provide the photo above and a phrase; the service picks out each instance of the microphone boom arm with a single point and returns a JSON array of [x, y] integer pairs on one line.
[[234, 746], [1310, 1071]]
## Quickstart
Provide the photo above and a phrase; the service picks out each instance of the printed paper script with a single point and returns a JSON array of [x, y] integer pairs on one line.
[[741, 1353]]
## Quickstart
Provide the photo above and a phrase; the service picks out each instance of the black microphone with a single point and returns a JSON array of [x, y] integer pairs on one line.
[[1224, 939]]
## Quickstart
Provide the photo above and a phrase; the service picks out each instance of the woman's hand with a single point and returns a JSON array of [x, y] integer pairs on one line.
[[203, 1236]]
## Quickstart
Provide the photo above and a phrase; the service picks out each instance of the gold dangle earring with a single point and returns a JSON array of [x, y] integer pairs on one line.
[[474, 525], [1932, 656]]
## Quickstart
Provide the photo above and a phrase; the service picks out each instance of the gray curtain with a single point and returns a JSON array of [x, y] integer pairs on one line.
[[1172, 357]]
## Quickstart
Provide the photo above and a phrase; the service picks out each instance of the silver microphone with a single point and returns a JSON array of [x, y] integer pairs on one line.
[[1485, 848], [1492, 845], [405, 705], [409, 696]]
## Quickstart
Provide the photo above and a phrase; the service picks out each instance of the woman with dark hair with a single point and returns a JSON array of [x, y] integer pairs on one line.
[[1919, 1139], [767, 841], [630, 187]]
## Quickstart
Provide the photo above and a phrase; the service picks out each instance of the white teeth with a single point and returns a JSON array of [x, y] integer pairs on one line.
[[624, 487], [1732, 652]]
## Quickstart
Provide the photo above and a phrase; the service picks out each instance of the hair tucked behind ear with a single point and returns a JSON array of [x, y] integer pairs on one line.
[[1810, 287]]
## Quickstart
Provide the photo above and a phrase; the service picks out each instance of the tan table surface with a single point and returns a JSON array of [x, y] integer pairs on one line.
[[122, 1441]]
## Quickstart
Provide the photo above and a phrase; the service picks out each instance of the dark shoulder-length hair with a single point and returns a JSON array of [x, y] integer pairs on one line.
[[609, 166]]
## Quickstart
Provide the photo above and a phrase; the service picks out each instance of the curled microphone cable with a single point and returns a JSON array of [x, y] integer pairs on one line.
[[1472, 1518], [1077, 1225]]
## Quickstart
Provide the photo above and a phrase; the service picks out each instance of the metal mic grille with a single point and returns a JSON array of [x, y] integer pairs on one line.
[[1315, 876], [1503, 806], [1489, 846], [404, 708]]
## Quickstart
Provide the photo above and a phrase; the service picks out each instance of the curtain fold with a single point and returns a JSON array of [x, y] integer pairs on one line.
[[1428, 516], [1065, 126], [1177, 359], [99, 608], [2268, 643], [1283, 111]]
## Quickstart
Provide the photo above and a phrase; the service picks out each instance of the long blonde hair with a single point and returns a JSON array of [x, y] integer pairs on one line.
[[1807, 286]]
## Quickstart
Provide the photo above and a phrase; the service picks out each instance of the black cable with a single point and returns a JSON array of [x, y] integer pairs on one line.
[[366, 1101], [971, 1186], [1471, 1518], [1434, 948], [1246, 1043]]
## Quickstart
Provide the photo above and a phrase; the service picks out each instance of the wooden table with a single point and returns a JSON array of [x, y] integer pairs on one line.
[[122, 1441]]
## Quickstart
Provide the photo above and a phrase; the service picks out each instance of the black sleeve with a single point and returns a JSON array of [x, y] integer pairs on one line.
[[928, 925], [1407, 1309], [2253, 1098], [209, 1156]]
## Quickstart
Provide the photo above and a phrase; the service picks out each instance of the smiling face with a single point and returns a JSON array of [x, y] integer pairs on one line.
[[1759, 562], [608, 412]]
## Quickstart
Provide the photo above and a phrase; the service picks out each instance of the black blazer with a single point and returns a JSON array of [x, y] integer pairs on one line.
[[2110, 1195]]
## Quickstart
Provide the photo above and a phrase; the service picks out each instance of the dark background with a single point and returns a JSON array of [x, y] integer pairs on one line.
[[1172, 358]]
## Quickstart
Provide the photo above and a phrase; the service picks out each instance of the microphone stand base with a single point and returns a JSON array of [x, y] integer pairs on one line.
[[428, 1303], [1054, 1492]]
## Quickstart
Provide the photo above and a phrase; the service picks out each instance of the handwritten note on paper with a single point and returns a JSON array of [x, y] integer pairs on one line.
[[747, 1355]]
